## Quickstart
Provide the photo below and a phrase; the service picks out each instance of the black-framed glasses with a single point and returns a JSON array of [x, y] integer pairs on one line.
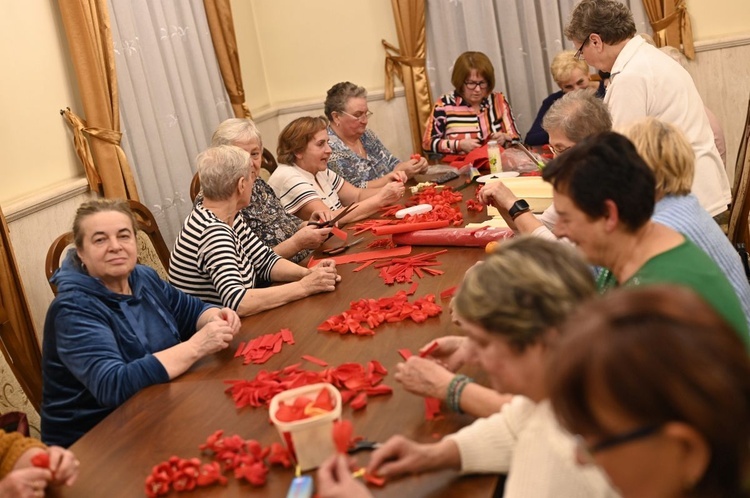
[[579, 52], [359, 117], [471, 85], [585, 453]]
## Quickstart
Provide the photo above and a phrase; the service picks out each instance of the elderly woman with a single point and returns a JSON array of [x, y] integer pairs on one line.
[[577, 115], [473, 114], [305, 184], [510, 307], [265, 215], [115, 327], [357, 154], [604, 195], [218, 258], [658, 387], [570, 74], [647, 82], [19, 477]]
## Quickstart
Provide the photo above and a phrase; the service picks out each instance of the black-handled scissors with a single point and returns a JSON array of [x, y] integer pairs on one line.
[[330, 223], [338, 250], [363, 445]]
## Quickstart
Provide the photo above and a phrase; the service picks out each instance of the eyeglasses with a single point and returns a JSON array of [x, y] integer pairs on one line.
[[585, 453], [361, 117], [471, 85], [579, 52], [556, 151]]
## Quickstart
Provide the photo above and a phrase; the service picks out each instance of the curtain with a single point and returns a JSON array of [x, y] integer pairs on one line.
[[663, 14], [219, 15], [521, 37], [17, 337], [172, 98], [97, 137], [408, 63]]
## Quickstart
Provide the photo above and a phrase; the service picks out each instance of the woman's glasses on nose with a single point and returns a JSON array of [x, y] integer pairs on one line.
[[472, 85], [585, 453]]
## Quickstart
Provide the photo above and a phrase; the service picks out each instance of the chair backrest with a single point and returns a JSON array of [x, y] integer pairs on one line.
[[152, 250], [268, 165], [739, 230]]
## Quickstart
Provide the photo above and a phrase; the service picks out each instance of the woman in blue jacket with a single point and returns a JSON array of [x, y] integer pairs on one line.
[[115, 327]]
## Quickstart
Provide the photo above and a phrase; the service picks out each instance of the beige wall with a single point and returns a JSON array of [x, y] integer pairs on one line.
[[307, 46], [37, 81], [719, 18]]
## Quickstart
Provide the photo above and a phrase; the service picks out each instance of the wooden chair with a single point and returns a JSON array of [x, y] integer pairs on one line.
[[152, 250], [268, 165], [739, 230]]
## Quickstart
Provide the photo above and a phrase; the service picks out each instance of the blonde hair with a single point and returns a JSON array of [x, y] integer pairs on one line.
[[667, 152], [563, 65], [526, 287], [235, 131], [219, 170]]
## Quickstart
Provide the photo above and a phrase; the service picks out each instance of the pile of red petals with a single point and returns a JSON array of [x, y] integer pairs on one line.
[[260, 349], [374, 312], [475, 204], [303, 407], [247, 458], [399, 270], [442, 206], [355, 382]]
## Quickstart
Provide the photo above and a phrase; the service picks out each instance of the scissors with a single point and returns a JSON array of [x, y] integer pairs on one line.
[[338, 250], [330, 223], [363, 445]]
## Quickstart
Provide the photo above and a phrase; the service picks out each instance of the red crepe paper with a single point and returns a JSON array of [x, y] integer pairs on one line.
[[342, 435], [374, 480], [359, 401], [405, 353], [365, 256], [427, 352], [473, 205], [366, 225], [432, 409], [349, 378], [456, 236], [412, 289], [375, 312], [40, 460], [398, 270], [409, 227], [362, 267], [385, 243], [315, 360], [448, 292], [260, 349], [339, 233]]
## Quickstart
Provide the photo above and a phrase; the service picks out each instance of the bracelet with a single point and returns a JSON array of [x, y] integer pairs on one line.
[[455, 388]]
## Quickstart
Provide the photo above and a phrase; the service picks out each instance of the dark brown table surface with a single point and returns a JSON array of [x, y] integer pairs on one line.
[[173, 419]]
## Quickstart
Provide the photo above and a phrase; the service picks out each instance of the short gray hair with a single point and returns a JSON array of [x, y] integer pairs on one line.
[[235, 131], [219, 170], [578, 114], [610, 19], [339, 95]]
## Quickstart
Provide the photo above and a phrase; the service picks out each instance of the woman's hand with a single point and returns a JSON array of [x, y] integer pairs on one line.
[[424, 377], [310, 237], [400, 455], [63, 464], [452, 351], [322, 216], [502, 137], [413, 167], [28, 482], [497, 194], [213, 336], [469, 144], [230, 317], [396, 176], [322, 278], [391, 193], [335, 480]]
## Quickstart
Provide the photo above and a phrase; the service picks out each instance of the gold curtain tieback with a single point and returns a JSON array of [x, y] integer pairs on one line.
[[664, 23]]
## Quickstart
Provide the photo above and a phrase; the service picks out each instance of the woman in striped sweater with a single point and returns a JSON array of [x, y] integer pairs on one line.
[[473, 114]]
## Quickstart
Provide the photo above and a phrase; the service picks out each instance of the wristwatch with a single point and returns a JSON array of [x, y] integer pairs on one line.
[[518, 208]]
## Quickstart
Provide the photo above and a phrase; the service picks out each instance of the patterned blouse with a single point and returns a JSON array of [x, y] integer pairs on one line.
[[453, 120], [358, 170], [269, 221]]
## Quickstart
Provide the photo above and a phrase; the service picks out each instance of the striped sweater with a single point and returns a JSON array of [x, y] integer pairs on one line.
[[216, 262], [295, 187], [453, 120]]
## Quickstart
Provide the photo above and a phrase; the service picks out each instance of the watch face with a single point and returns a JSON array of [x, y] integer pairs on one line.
[[521, 205]]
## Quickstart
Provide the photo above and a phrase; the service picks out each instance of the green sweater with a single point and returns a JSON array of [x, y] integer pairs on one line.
[[688, 266]]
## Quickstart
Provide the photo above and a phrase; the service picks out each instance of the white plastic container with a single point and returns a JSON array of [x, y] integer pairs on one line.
[[310, 440]]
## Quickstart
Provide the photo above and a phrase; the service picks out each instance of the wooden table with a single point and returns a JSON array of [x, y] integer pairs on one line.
[[174, 418]]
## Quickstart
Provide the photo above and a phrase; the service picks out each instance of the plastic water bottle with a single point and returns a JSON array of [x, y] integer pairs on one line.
[[493, 154]]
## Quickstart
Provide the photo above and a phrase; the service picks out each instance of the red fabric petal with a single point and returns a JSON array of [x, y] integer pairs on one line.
[[342, 435]]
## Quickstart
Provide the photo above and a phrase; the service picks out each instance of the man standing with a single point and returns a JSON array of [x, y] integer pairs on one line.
[[647, 82]]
